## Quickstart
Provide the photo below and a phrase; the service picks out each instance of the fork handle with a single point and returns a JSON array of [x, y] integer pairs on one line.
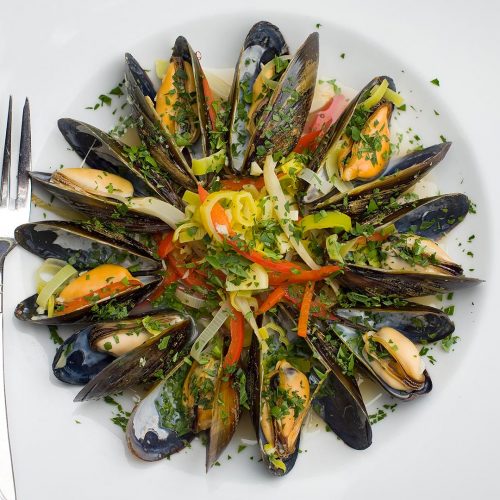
[[7, 490], [6, 245]]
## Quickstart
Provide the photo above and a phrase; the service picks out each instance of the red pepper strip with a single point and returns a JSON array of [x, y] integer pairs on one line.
[[169, 278], [305, 308], [318, 123], [106, 291], [302, 276], [237, 329], [209, 98], [258, 258], [272, 299], [166, 245], [308, 141]]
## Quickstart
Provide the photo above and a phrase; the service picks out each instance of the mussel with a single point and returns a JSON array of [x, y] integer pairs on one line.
[[398, 178], [417, 322], [254, 75], [194, 397], [281, 123], [389, 357], [281, 393], [102, 152], [85, 246], [144, 364], [357, 145], [176, 124], [99, 284]]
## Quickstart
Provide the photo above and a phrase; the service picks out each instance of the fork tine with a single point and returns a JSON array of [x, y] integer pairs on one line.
[[5, 188], [24, 159]]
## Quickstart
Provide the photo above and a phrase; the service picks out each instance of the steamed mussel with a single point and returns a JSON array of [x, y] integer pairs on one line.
[[285, 250], [106, 272]]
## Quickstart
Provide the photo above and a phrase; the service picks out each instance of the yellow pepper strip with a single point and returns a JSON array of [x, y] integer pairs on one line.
[[326, 220], [186, 233], [244, 209], [375, 97]]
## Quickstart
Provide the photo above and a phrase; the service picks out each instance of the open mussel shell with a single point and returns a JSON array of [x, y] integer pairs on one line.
[[101, 151], [332, 135], [339, 404], [143, 364], [398, 178], [160, 424], [421, 324], [225, 418], [85, 246], [430, 218], [350, 334], [403, 284], [76, 362], [263, 43], [104, 209], [126, 300], [290, 103], [154, 134]]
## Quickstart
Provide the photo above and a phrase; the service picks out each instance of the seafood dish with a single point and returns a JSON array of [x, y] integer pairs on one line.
[[244, 252]]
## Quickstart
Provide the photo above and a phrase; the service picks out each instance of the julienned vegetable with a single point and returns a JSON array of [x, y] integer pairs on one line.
[[276, 258]]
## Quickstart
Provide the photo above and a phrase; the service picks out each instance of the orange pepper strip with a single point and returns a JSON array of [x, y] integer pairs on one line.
[[237, 329], [166, 245], [305, 309], [101, 293], [303, 275], [272, 299], [218, 215], [210, 100]]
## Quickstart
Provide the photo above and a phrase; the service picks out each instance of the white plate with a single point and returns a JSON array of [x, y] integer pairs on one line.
[[444, 442]]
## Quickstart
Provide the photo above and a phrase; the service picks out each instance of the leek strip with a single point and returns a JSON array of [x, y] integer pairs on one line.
[[209, 164], [189, 300], [391, 96], [157, 208], [375, 97], [315, 180], [47, 271], [209, 332], [65, 274], [274, 189], [191, 198]]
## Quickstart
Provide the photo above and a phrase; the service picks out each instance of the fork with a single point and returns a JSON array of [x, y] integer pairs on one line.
[[13, 211]]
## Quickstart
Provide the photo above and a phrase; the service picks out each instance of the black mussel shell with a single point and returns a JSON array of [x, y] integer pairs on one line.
[[429, 217], [153, 434], [85, 246], [403, 284], [75, 362], [421, 324], [104, 209]]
